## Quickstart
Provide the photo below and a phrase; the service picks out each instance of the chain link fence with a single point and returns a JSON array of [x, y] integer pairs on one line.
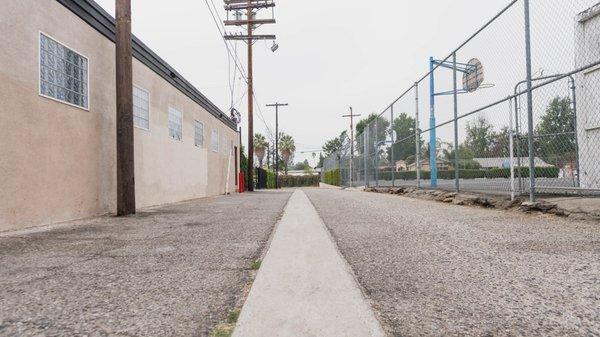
[[515, 109]]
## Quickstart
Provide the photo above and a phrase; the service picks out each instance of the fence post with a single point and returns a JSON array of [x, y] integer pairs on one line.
[[366, 152], [432, 126], [456, 155], [511, 151], [574, 107], [376, 146], [392, 147], [518, 139], [417, 137], [529, 103]]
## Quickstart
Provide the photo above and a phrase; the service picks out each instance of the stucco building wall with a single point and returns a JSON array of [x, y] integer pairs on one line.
[[58, 162]]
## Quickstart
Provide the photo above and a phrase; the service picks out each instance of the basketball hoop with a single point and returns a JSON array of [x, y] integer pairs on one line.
[[473, 76]]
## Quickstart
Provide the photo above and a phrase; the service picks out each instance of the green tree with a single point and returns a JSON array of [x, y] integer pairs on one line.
[[375, 122], [556, 143], [480, 138], [287, 147], [260, 148], [321, 161], [335, 145], [302, 166], [404, 127], [501, 145], [465, 157]]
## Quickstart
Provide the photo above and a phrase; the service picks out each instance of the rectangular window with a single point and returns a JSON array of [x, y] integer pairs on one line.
[[225, 146], [141, 108], [175, 123], [199, 134], [214, 141], [63, 73]]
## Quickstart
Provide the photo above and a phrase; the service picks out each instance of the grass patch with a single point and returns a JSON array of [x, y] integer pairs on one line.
[[226, 329], [223, 330], [233, 316], [256, 265]]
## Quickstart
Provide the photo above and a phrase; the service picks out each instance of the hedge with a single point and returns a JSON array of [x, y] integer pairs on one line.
[[270, 180], [298, 181], [333, 177], [540, 172]]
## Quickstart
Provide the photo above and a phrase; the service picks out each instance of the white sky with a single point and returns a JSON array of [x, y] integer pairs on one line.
[[333, 54]]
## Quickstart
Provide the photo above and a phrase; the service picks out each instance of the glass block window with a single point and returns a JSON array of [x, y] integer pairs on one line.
[[214, 141], [141, 108], [175, 123], [63, 73], [199, 134]]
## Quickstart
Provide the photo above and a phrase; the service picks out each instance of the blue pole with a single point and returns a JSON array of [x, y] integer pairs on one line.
[[432, 133]]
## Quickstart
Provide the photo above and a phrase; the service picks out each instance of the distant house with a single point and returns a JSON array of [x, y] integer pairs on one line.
[[504, 162], [299, 173], [442, 165], [401, 166]]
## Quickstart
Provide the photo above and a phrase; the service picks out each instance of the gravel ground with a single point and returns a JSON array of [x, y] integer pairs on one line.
[[170, 271], [433, 269]]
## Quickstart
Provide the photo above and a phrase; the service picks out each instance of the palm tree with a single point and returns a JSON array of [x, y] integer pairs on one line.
[[260, 148], [287, 147]]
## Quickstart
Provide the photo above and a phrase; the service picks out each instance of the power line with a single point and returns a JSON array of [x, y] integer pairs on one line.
[[237, 62], [221, 32]]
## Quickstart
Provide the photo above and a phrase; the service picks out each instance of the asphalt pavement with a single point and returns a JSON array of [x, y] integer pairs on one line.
[[433, 269], [175, 270]]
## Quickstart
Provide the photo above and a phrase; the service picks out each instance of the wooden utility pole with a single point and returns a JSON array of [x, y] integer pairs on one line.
[[250, 103], [251, 7], [277, 105], [351, 116], [124, 73]]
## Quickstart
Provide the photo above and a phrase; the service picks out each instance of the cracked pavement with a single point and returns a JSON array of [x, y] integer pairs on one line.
[[173, 270]]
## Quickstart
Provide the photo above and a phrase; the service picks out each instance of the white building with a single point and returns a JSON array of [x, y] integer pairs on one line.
[[587, 51]]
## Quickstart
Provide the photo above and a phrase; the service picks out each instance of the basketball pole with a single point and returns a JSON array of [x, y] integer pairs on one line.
[[468, 69]]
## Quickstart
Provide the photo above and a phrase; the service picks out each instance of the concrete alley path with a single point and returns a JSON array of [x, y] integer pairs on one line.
[[304, 287], [434, 269], [173, 270]]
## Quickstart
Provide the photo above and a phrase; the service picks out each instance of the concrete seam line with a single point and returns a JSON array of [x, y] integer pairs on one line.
[[348, 268]]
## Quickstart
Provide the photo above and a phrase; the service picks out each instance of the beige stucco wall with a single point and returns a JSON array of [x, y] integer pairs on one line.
[[57, 162]]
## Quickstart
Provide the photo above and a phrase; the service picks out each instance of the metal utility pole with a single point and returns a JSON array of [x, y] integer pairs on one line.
[[251, 7], [277, 105], [124, 120], [529, 103], [351, 116]]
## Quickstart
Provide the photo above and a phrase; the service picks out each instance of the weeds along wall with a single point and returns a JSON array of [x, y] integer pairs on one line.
[[518, 96]]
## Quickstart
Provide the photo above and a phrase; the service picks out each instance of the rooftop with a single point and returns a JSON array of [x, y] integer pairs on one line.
[[94, 15]]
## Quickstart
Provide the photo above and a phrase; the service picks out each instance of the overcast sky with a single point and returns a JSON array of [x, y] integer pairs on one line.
[[333, 54]]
